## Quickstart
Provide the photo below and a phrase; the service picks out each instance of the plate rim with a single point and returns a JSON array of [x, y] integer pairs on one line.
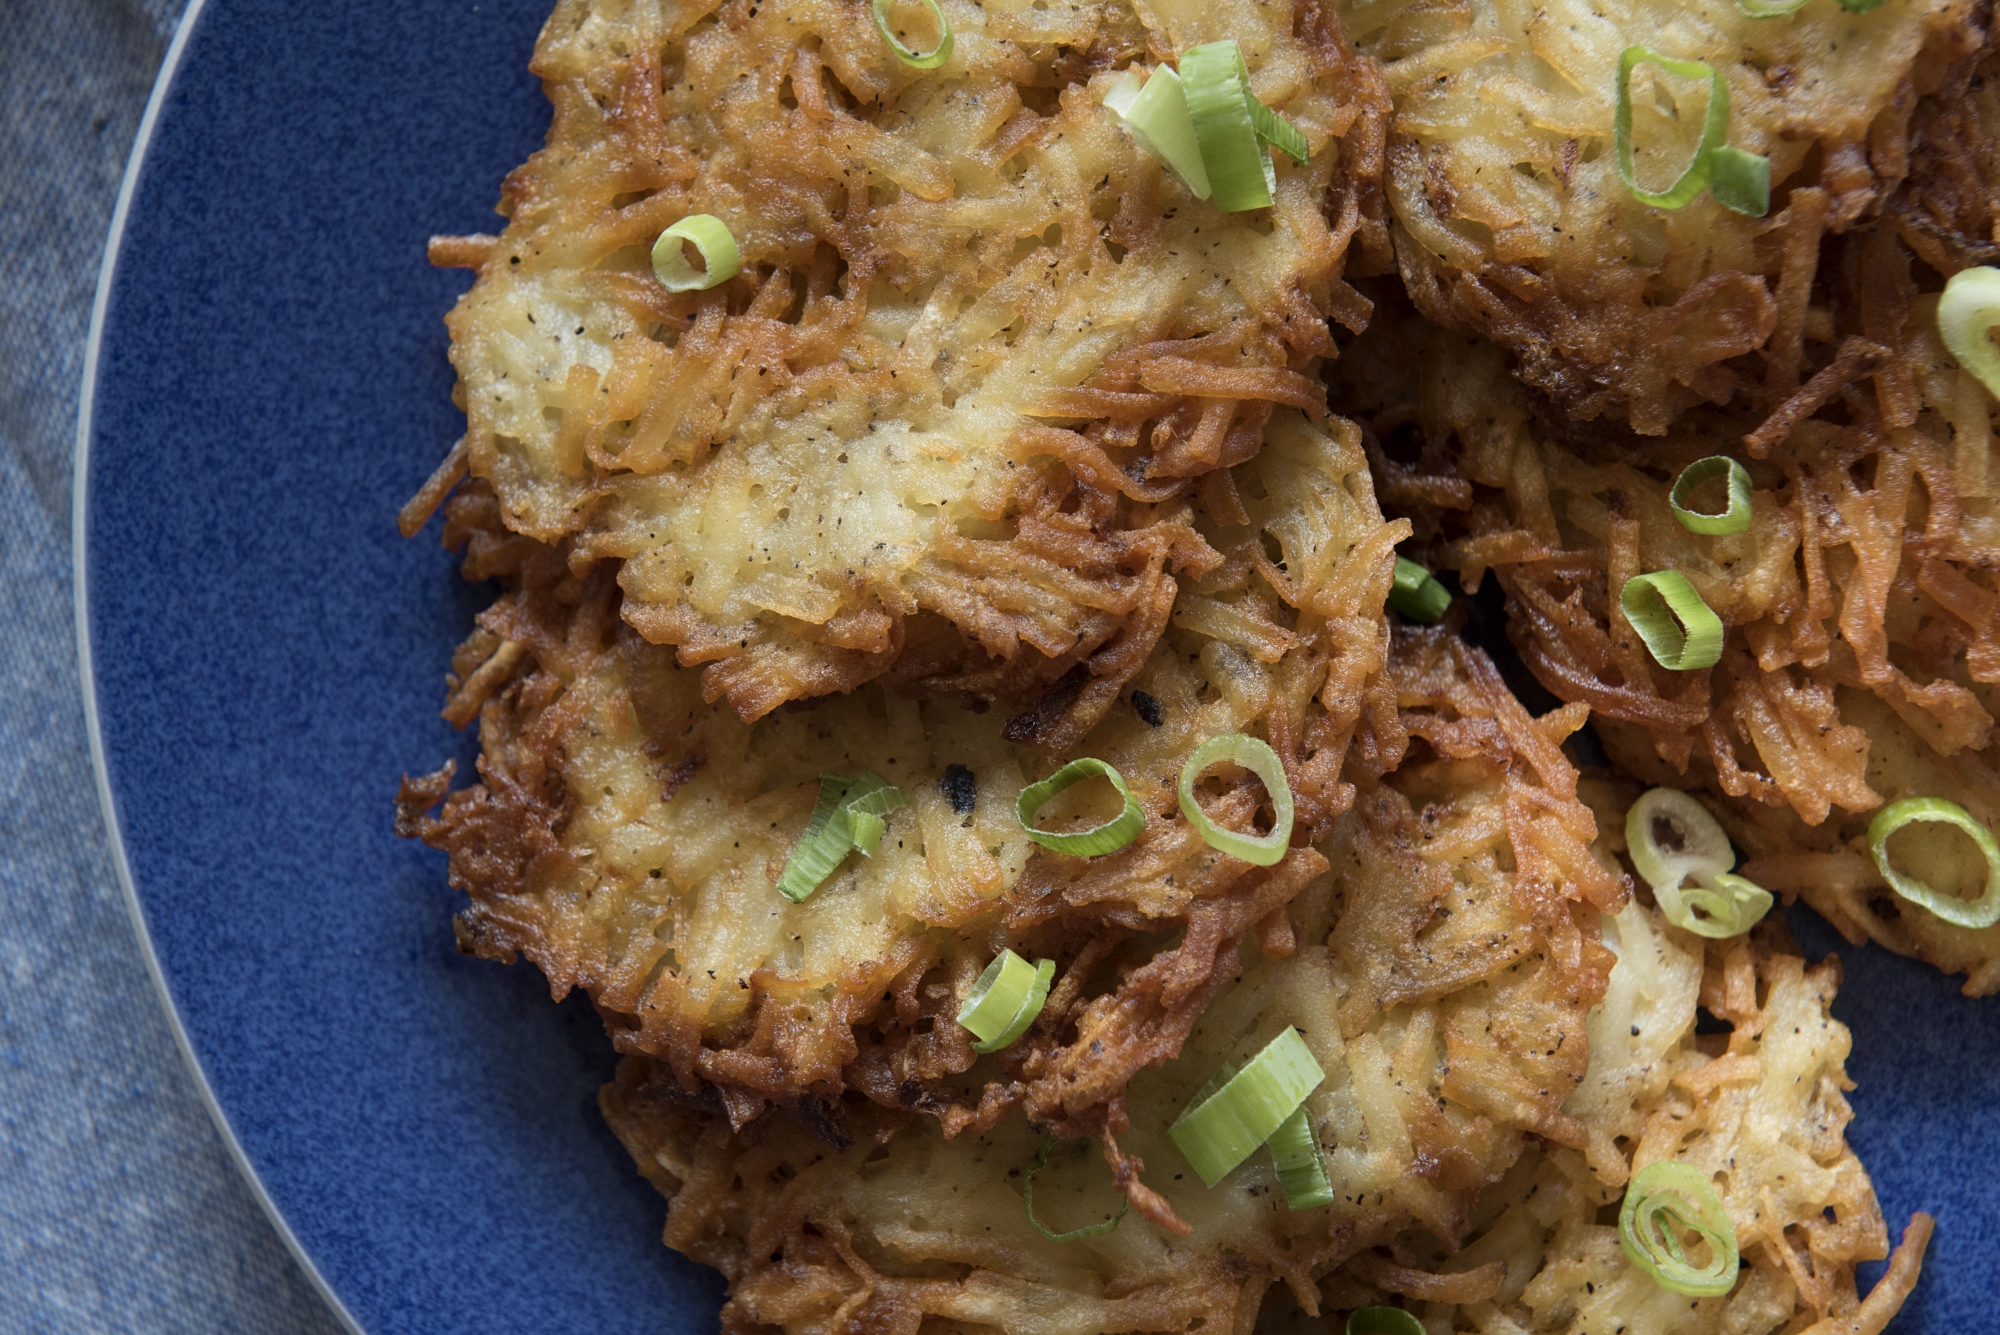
[[79, 574]]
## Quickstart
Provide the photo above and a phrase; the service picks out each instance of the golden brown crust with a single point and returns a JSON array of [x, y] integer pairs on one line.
[[980, 354]]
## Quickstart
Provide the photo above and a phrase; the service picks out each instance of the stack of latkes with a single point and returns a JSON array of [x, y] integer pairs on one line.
[[977, 700]]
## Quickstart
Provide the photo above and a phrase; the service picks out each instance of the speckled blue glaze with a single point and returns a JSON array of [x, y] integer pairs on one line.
[[268, 654]]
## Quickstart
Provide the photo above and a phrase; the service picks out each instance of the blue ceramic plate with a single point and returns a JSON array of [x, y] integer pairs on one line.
[[265, 656]]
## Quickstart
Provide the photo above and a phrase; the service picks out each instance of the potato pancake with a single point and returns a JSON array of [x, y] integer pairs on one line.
[[945, 423], [1861, 661], [627, 836], [1470, 1144], [1512, 221]]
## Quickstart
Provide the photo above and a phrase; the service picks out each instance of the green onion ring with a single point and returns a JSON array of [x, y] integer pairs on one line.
[[710, 236], [1680, 630], [1383, 1321], [1009, 995], [1220, 1129], [1028, 1199], [1735, 516], [1969, 308], [866, 803], [1301, 1170], [903, 53], [1416, 593], [1714, 127], [1730, 906], [1770, 9], [1217, 84], [1740, 180], [1703, 848], [1860, 6], [1256, 756], [1974, 913], [1664, 1197], [1109, 837], [823, 845], [1154, 112]]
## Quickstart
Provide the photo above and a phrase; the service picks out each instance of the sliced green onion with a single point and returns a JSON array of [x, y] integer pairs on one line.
[[1257, 757], [1729, 905], [903, 53], [1671, 837], [1217, 84], [1770, 9], [1383, 1321], [867, 802], [1974, 913], [847, 817], [1740, 180], [1665, 1197], [1968, 310], [1301, 1170], [1860, 6], [1276, 131], [1735, 516], [1154, 112], [822, 847], [710, 236], [1028, 1199], [1221, 1129], [1680, 630], [1714, 127], [1416, 594], [1109, 837], [1006, 1000]]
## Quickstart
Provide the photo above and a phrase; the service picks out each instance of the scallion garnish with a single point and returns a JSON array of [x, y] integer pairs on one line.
[[1109, 837], [1680, 630], [1671, 837], [1218, 102], [1770, 9], [1206, 125], [847, 817], [1383, 1321], [1974, 913], [1301, 1170], [1740, 180], [1665, 1197], [710, 236], [1224, 1126], [1735, 516], [936, 57], [1006, 999], [1257, 757], [1416, 593], [1729, 905], [1966, 315], [1746, 185], [1154, 112], [1028, 1198]]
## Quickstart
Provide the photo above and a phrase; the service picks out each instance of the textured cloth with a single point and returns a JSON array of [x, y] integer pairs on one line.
[[120, 1208]]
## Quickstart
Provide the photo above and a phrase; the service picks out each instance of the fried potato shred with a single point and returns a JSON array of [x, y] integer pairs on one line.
[[946, 424], [1863, 614], [1511, 220]]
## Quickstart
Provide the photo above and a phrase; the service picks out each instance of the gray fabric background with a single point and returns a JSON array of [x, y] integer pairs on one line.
[[120, 1209]]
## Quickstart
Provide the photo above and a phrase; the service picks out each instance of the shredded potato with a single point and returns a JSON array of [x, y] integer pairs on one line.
[[1862, 657], [628, 837], [946, 423], [1440, 969], [1511, 220], [1760, 1111]]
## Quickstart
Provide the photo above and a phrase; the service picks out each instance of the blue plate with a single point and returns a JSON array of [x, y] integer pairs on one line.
[[264, 656]]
